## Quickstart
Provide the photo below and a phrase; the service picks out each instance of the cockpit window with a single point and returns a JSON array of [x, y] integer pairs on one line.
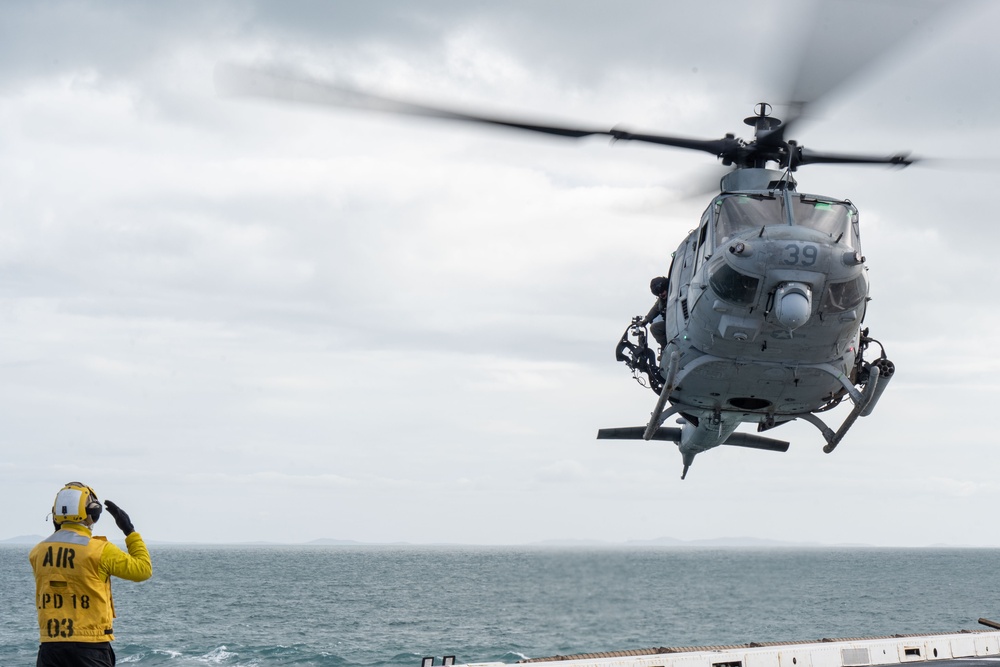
[[733, 286], [844, 296], [739, 213], [833, 218]]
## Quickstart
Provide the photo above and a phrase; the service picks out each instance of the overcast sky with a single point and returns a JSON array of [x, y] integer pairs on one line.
[[246, 320]]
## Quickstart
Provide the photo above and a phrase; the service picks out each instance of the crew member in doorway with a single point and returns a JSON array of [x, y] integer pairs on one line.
[[659, 286], [73, 571]]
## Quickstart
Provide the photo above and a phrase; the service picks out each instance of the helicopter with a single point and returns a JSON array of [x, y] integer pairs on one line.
[[767, 295], [763, 308]]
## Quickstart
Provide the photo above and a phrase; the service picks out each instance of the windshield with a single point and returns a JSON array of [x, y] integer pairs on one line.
[[739, 213], [742, 212], [832, 218]]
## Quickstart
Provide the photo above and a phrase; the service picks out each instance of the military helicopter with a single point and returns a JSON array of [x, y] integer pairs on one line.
[[764, 307], [767, 295]]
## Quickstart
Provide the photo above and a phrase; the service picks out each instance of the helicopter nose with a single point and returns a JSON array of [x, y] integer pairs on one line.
[[793, 304]]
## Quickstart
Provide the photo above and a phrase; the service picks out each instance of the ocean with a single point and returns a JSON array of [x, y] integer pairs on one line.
[[390, 606]]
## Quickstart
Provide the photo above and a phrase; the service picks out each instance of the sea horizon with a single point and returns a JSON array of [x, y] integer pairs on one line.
[[661, 542]]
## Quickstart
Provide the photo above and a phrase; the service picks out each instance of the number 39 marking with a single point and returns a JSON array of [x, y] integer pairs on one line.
[[803, 254]]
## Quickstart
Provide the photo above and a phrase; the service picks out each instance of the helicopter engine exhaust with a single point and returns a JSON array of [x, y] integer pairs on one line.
[[793, 304]]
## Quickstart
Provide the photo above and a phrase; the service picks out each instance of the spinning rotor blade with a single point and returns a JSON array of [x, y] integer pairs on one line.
[[239, 81], [832, 48], [842, 41], [805, 156], [698, 184]]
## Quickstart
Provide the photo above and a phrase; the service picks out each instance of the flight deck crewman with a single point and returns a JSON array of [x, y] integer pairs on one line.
[[73, 571], [659, 286]]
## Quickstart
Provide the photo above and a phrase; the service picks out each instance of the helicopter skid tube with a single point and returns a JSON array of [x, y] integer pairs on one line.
[[654, 419], [852, 391], [869, 394], [827, 432]]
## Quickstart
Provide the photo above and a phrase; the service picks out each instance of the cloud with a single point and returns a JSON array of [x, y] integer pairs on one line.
[[333, 306], [562, 472]]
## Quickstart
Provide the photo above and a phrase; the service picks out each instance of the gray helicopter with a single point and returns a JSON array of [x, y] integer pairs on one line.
[[763, 309], [767, 296]]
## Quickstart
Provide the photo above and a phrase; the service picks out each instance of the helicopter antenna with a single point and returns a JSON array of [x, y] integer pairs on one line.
[[763, 121]]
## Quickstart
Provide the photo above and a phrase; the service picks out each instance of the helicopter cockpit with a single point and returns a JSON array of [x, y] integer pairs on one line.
[[736, 277], [738, 213]]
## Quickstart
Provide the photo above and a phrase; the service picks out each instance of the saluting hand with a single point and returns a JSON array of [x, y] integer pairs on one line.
[[121, 518]]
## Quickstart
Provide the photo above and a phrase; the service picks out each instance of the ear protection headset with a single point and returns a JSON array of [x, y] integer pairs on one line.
[[658, 285], [74, 503]]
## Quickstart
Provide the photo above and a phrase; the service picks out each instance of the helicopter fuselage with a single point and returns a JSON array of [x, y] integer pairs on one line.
[[763, 316], [758, 301]]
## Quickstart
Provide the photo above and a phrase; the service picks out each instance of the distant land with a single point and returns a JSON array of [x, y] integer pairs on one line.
[[718, 542], [713, 542]]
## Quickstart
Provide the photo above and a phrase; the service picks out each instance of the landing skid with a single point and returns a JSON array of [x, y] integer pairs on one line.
[[861, 407], [655, 419], [701, 431]]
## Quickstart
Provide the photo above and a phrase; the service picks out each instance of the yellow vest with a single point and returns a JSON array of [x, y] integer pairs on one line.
[[74, 602]]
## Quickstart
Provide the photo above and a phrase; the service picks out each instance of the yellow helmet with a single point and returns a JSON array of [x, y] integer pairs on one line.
[[74, 503]]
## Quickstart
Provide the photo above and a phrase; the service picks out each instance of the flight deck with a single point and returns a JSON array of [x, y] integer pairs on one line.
[[966, 648]]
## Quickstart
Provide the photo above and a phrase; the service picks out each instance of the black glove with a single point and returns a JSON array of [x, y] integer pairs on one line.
[[124, 523]]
